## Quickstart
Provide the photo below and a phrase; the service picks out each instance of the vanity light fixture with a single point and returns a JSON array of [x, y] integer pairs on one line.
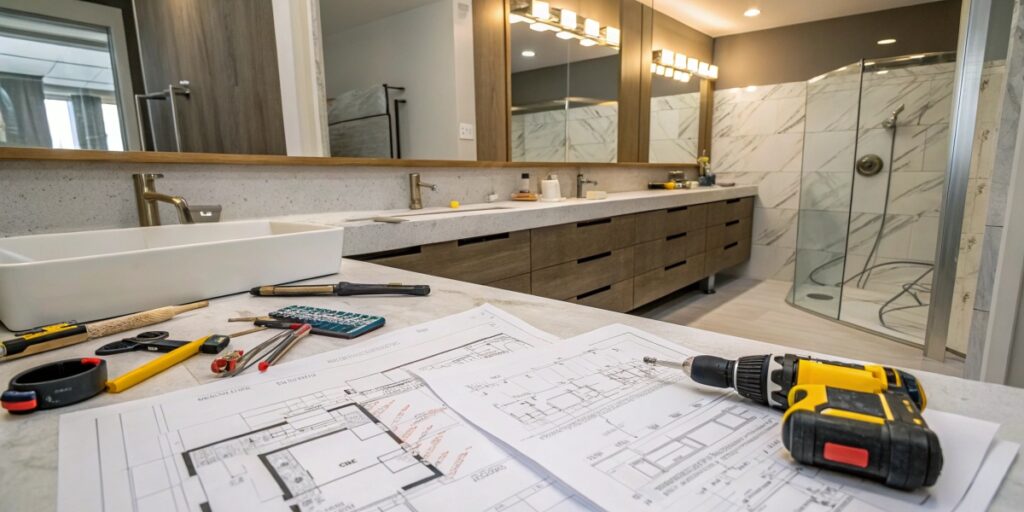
[[529, 53], [540, 10], [886, 41], [565, 23], [567, 19], [678, 66], [753, 11]]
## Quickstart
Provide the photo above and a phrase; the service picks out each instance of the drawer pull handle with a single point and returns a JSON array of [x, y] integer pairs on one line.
[[593, 292], [407, 251], [732, 222], [673, 237], [594, 222], [482, 239], [732, 201], [594, 257], [678, 209], [674, 265], [730, 246]]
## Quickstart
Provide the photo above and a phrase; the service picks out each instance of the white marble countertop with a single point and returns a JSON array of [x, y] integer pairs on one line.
[[432, 225], [28, 444]]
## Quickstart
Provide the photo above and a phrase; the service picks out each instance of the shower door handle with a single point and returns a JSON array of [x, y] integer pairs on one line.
[[183, 88]]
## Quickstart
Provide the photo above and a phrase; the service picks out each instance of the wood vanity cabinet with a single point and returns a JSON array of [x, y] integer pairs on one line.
[[616, 263]]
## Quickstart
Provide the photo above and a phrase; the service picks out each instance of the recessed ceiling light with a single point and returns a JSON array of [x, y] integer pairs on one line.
[[753, 11], [886, 41], [528, 53]]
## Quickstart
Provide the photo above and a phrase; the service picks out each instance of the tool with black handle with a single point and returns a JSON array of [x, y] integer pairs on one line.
[[859, 419], [342, 289]]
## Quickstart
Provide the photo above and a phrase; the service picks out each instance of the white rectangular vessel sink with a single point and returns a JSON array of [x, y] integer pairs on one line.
[[90, 275]]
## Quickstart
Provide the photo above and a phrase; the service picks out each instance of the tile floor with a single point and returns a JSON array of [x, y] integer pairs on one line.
[[758, 310]]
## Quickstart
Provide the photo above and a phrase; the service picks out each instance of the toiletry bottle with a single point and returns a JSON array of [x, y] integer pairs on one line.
[[524, 183]]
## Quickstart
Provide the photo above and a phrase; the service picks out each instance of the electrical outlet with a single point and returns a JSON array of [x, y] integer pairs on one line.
[[467, 131]]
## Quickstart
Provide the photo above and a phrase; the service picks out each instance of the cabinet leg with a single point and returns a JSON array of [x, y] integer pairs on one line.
[[707, 285]]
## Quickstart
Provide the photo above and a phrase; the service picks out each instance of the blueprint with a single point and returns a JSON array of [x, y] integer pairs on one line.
[[349, 430], [629, 436]]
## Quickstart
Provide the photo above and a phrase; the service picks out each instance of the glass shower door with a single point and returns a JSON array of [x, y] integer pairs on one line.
[[826, 185]]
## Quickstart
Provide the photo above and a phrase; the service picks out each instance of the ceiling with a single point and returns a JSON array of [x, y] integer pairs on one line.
[[723, 17], [549, 50], [338, 15], [66, 60]]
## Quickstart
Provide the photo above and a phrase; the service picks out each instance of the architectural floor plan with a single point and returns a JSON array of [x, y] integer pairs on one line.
[[352, 430], [629, 436]]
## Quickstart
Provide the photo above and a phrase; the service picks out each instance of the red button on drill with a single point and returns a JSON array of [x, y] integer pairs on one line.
[[849, 455]]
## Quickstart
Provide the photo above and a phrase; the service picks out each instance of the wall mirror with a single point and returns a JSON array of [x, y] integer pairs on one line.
[[565, 68], [680, 56]]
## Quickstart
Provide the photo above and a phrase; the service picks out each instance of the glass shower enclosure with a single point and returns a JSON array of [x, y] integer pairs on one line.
[[874, 163]]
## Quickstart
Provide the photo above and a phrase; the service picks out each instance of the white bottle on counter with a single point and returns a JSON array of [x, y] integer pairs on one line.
[[550, 190]]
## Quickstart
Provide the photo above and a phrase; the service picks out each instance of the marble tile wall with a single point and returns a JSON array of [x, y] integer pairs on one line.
[[757, 139], [589, 135], [1004, 140], [352, 132], [675, 123]]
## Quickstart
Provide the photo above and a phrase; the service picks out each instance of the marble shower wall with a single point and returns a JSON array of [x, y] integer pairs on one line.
[[1004, 140], [591, 135], [675, 123], [757, 139]]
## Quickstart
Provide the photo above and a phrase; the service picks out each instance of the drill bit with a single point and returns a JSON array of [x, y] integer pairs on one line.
[[685, 366]]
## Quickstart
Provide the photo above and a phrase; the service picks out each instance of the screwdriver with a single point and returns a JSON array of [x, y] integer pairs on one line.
[[767, 379]]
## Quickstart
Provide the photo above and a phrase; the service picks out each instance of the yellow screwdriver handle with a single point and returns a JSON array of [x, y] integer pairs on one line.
[[155, 366]]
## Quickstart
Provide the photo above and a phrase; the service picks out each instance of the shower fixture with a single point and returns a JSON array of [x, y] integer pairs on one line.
[[890, 122]]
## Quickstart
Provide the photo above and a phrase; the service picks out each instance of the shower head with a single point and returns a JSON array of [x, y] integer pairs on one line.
[[890, 122]]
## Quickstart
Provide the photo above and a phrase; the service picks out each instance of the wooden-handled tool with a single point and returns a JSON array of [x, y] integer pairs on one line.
[[66, 334]]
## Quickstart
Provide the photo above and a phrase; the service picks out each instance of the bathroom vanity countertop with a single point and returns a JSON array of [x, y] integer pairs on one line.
[[441, 224], [28, 466]]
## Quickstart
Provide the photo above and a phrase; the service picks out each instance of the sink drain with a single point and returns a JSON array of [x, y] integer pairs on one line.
[[819, 296]]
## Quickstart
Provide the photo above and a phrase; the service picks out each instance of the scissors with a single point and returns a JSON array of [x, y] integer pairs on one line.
[[151, 341]]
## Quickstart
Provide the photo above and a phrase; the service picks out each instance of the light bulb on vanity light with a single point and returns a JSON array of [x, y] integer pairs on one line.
[[528, 53], [680, 62], [565, 35], [515, 18], [685, 76], [666, 57], [540, 10], [567, 19], [538, 27], [678, 75], [659, 70], [703, 69], [713, 72], [612, 36], [654, 67], [587, 42], [592, 27], [753, 11], [692, 65]]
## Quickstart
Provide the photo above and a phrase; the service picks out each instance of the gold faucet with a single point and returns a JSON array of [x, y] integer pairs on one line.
[[415, 198], [147, 199]]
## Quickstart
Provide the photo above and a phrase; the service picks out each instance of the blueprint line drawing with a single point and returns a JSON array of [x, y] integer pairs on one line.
[[629, 436], [352, 430]]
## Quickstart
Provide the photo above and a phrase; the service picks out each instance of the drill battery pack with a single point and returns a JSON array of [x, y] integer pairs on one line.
[[880, 436]]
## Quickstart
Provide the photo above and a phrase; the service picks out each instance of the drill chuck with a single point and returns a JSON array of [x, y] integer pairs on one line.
[[746, 375]]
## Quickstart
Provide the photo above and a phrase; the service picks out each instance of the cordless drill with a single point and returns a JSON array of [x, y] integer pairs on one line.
[[859, 419]]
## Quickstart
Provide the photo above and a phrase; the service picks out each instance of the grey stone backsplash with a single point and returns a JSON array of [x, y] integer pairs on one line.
[[52, 197]]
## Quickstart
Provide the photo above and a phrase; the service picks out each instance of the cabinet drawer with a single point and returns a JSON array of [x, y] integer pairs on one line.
[[730, 255], [567, 242], [685, 218], [732, 231], [520, 283], [668, 250], [480, 260], [657, 283], [583, 275], [650, 225], [729, 210], [614, 297]]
